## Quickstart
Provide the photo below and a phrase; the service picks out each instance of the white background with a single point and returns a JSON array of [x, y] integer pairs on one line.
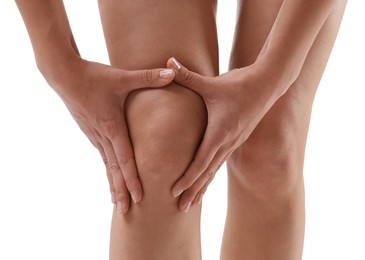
[[54, 200]]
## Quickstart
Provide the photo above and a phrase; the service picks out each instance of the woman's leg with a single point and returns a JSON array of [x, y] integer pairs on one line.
[[265, 217], [166, 125]]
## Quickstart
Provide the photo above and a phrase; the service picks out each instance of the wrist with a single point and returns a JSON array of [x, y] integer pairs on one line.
[[273, 75]]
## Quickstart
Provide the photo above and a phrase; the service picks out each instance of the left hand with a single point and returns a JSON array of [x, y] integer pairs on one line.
[[236, 102]]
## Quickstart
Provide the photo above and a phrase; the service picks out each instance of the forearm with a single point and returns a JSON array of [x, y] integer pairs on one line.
[[50, 34], [291, 37]]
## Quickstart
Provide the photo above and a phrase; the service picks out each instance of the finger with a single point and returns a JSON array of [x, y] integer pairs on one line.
[[199, 197], [190, 194], [200, 194], [125, 156], [108, 173], [93, 135], [203, 158], [121, 191], [147, 78], [189, 79]]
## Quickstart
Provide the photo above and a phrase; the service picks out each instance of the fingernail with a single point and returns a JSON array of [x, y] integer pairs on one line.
[[165, 74], [124, 208], [113, 197], [200, 197], [187, 207], [119, 208], [135, 197], [176, 65], [177, 193]]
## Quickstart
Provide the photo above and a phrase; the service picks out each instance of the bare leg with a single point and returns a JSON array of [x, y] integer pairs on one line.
[[265, 217], [166, 125]]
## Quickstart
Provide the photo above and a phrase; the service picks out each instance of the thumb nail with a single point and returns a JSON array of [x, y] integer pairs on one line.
[[175, 64]]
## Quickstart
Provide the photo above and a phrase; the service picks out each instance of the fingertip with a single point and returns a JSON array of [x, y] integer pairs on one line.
[[125, 208], [176, 192], [114, 200], [167, 74], [181, 206], [199, 198], [174, 64], [136, 196]]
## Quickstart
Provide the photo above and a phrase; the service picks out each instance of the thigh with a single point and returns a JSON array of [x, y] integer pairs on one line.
[[144, 34], [282, 132]]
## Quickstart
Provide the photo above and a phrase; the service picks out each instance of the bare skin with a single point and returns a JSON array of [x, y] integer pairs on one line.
[[265, 217], [166, 125], [94, 93], [266, 172]]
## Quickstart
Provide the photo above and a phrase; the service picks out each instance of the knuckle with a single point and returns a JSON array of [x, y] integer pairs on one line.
[[97, 134], [208, 174], [189, 76], [201, 163], [124, 160], [109, 128], [147, 76], [122, 194], [114, 167], [105, 161]]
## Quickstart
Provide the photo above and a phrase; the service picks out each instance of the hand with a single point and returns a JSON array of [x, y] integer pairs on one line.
[[236, 102], [95, 96]]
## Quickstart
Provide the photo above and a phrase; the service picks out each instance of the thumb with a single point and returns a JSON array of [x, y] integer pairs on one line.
[[187, 78], [148, 78]]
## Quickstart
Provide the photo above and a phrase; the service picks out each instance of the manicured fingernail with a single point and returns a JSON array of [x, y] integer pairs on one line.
[[119, 208], [165, 74], [176, 65], [187, 207], [177, 193]]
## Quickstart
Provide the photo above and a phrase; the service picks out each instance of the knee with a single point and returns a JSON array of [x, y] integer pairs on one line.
[[269, 165], [166, 126]]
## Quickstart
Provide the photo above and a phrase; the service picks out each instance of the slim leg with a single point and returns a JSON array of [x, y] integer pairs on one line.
[[166, 127], [265, 217]]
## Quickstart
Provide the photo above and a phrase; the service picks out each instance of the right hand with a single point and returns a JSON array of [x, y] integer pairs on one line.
[[95, 94]]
